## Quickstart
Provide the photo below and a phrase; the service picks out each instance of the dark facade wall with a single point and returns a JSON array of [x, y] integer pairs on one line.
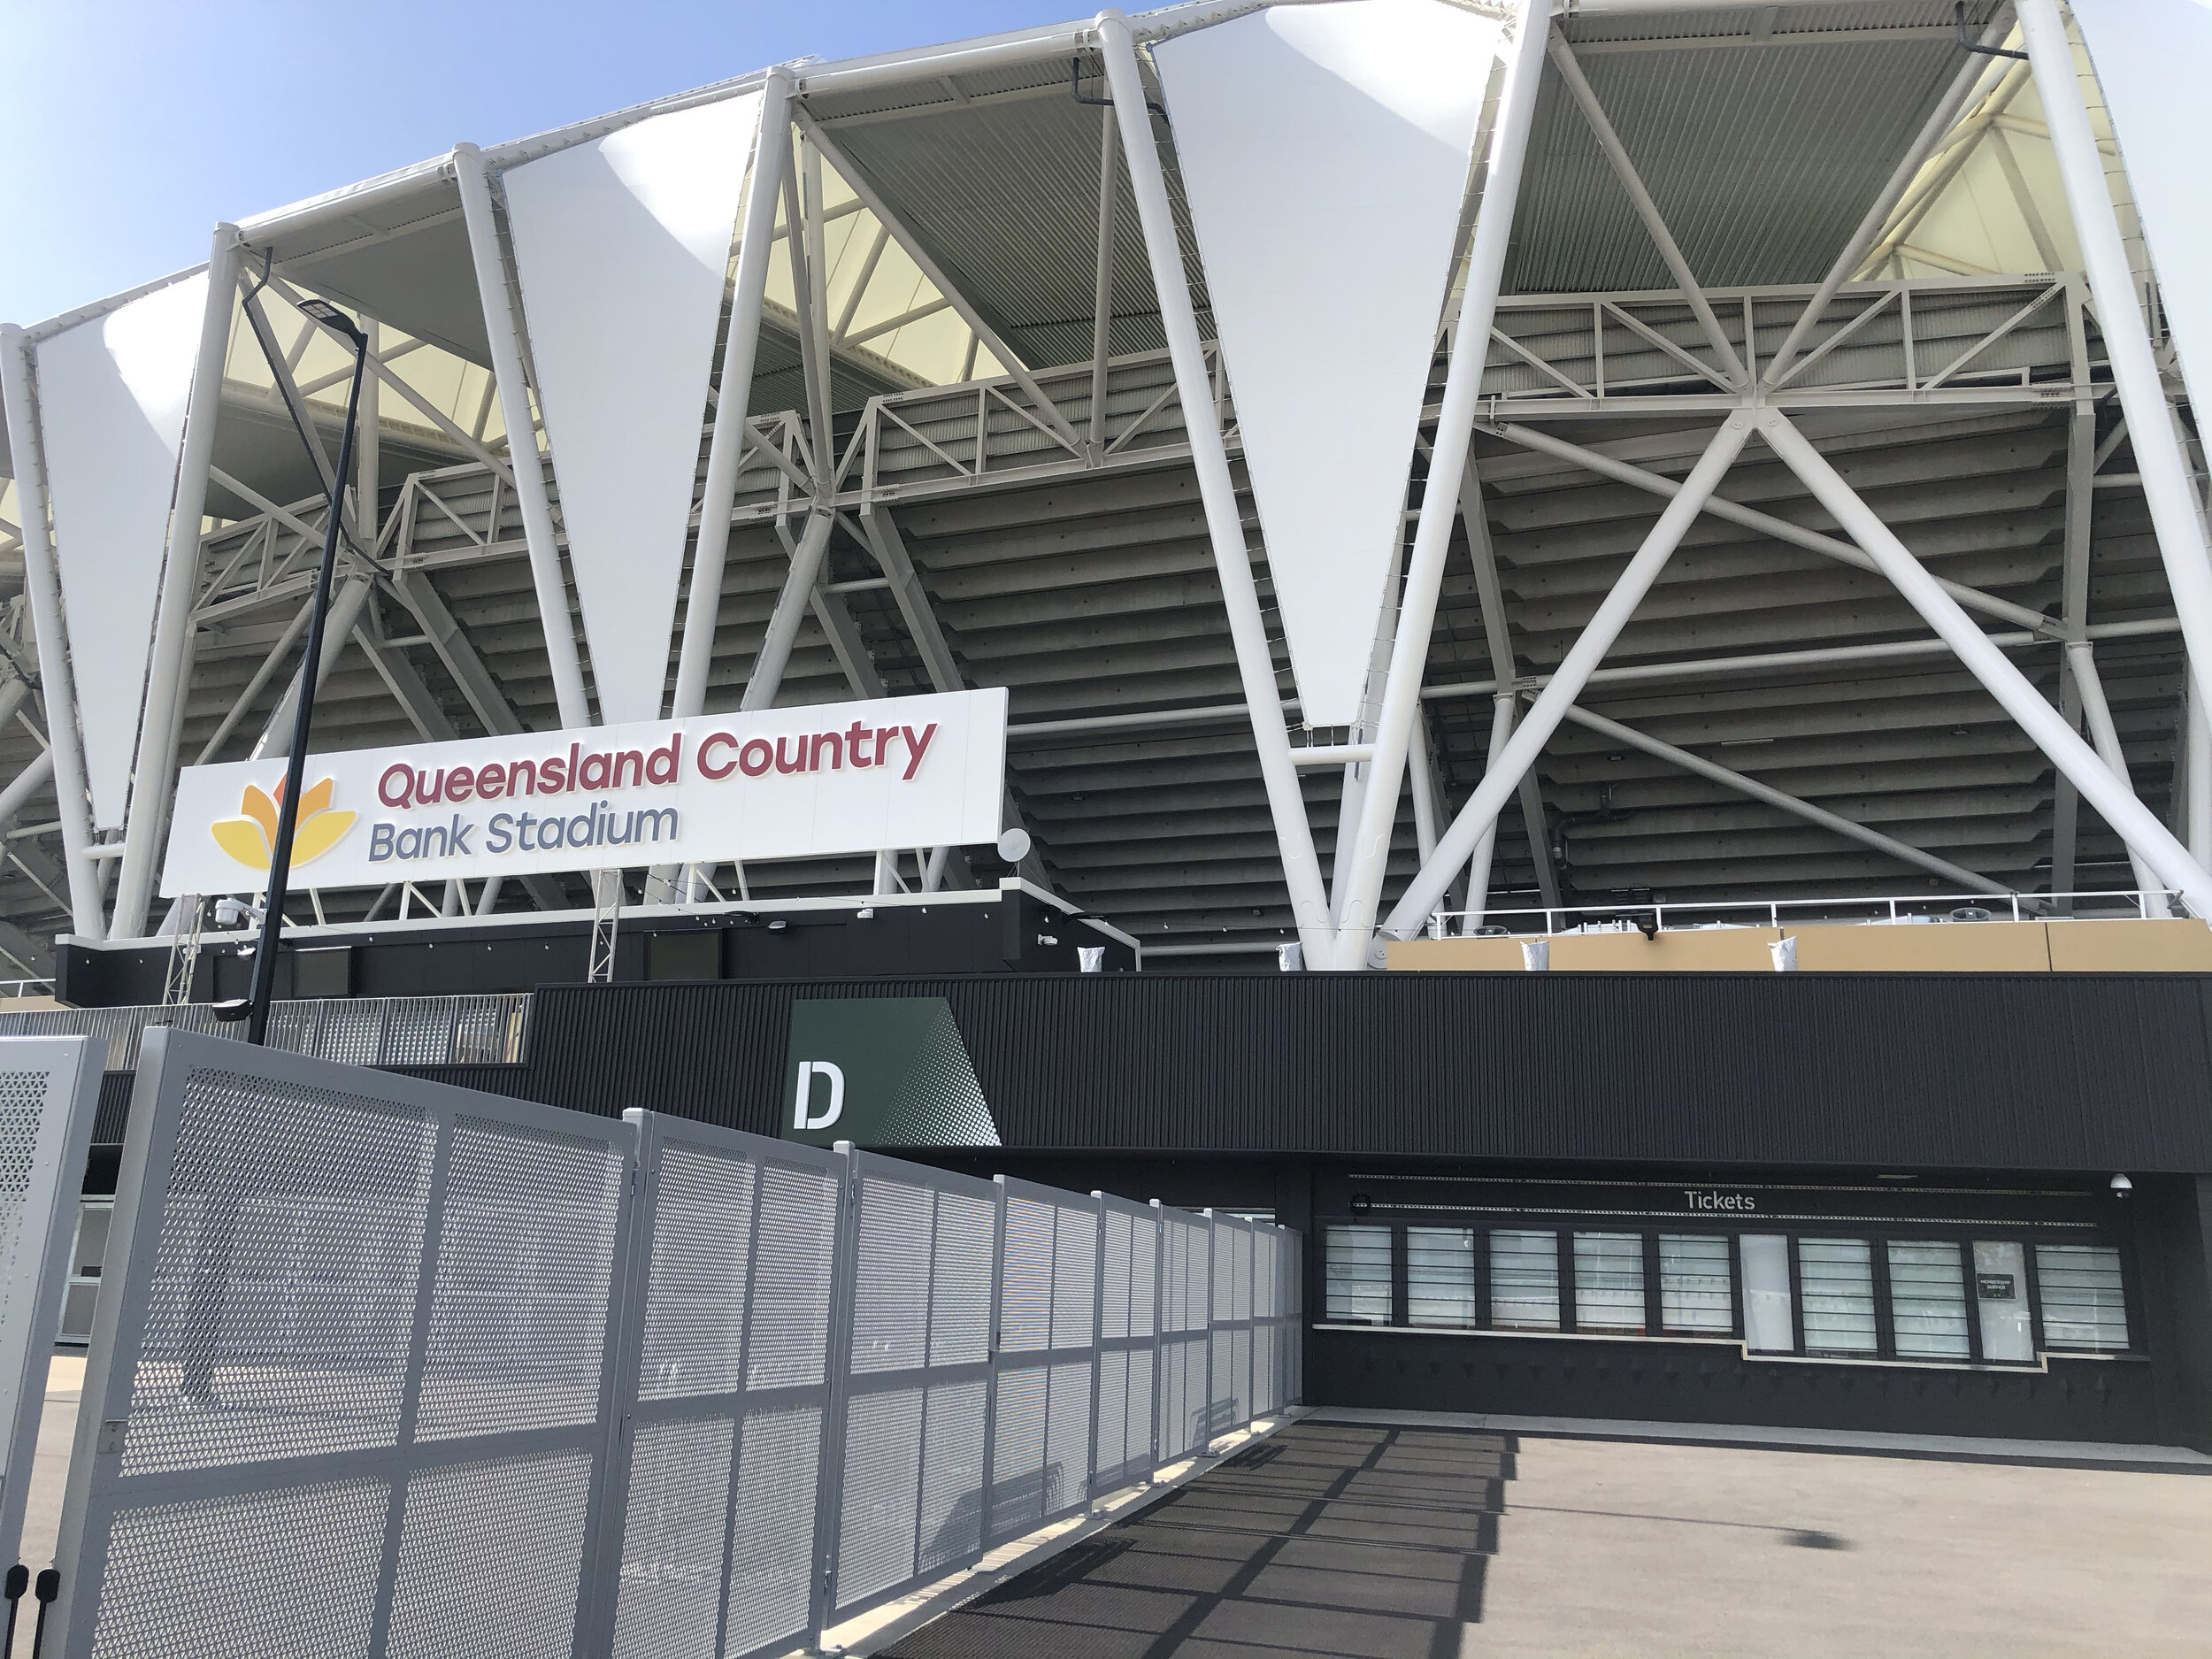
[[1015, 934], [2057, 1071], [2174, 1228], [1685, 1382]]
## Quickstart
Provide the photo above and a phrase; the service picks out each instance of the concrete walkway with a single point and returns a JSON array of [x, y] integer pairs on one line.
[[1375, 1541]]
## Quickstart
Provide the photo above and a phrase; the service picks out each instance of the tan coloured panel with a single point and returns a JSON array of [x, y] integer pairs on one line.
[[1928, 948], [1703, 950], [1454, 955], [2180, 946]]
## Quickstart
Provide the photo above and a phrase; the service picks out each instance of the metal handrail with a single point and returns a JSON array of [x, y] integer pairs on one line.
[[1904, 907], [387, 1030]]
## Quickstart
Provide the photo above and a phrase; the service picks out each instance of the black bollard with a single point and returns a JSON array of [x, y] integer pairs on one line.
[[48, 1587], [19, 1580]]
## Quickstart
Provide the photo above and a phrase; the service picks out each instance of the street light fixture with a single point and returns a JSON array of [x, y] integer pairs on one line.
[[294, 774]]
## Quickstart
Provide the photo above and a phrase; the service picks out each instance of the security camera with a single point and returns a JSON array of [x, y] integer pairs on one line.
[[2121, 1186], [236, 912]]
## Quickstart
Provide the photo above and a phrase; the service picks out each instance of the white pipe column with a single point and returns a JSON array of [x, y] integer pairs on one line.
[[725, 449], [1567, 681], [2197, 750], [1217, 490], [1439, 498], [2136, 824], [2166, 487], [43, 584], [26, 783], [169, 669], [1503, 706], [791, 607], [522, 443], [2104, 737]]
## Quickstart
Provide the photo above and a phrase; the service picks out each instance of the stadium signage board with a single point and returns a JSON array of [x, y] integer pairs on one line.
[[784, 783]]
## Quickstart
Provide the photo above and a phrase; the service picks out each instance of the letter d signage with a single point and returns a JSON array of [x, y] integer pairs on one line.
[[881, 1071], [804, 1117]]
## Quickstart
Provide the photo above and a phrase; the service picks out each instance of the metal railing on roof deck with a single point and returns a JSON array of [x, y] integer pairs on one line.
[[2123, 904], [362, 1030]]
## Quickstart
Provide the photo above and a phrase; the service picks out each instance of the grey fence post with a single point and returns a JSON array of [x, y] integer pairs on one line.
[[837, 1369], [1213, 1319], [1098, 1343], [990, 1389], [1159, 1324]]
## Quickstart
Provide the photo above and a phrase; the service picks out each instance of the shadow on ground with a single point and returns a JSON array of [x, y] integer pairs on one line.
[[1367, 1543]]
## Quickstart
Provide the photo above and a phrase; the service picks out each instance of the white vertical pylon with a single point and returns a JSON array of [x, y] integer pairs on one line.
[[2196, 768], [154, 778], [1498, 784], [2136, 824], [725, 448], [45, 588], [1504, 705], [1217, 491], [1440, 497], [2168, 490], [522, 443]]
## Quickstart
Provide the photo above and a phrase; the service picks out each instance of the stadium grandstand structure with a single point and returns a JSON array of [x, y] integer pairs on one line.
[[1402, 457]]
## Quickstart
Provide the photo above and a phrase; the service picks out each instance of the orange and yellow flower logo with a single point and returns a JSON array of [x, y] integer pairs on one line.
[[251, 838]]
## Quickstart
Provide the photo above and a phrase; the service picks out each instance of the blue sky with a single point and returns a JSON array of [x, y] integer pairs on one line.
[[129, 128]]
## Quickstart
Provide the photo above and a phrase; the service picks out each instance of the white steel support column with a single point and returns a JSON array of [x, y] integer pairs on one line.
[[2104, 737], [1439, 498], [1609, 140], [1941, 119], [522, 444], [2196, 746], [43, 582], [1503, 706], [169, 669], [2136, 824], [1567, 681], [725, 448], [791, 607], [1217, 490], [1103, 287], [2167, 487]]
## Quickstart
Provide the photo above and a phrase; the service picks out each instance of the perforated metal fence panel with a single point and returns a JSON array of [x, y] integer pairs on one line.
[[1128, 1344], [726, 1376], [389, 1369], [349, 1392], [1186, 1319], [1229, 1398], [917, 1416], [49, 1089], [1046, 1367]]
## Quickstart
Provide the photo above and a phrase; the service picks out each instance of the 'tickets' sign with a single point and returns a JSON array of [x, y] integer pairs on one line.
[[786, 783]]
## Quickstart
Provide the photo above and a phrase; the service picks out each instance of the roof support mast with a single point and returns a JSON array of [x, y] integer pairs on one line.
[[154, 779], [1440, 499], [522, 444], [1217, 487], [44, 583], [2166, 488]]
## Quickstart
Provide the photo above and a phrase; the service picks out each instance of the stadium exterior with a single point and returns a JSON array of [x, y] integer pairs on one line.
[[1606, 608]]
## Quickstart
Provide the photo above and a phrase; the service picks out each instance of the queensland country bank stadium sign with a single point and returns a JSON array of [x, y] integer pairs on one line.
[[785, 783]]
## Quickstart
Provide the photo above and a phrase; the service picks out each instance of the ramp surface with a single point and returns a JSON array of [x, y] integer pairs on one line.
[[1370, 1543]]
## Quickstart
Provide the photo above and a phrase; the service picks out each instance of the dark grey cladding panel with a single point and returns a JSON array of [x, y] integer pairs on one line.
[[2108, 1072]]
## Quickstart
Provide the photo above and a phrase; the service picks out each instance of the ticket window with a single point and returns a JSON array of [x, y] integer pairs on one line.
[[1769, 1305], [2000, 1291]]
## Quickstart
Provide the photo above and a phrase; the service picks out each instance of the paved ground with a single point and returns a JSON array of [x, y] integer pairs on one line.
[[1379, 1542], [50, 1471]]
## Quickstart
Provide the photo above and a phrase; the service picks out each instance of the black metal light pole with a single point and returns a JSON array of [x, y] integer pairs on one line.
[[264, 962]]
